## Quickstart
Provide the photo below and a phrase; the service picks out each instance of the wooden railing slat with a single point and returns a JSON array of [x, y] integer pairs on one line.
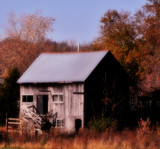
[[15, 123], [14, 119]]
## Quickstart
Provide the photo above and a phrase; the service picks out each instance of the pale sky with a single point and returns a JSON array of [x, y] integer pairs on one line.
[[77, 20]]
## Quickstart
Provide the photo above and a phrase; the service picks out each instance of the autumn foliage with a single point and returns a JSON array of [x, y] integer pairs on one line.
[[135, 41]]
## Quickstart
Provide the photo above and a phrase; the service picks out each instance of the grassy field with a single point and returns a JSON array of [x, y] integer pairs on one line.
[[140, 138]]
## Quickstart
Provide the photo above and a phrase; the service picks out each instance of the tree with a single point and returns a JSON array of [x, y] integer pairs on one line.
[[27, 38], [118, 34], [152, 23], [20, 53], [32, 27], [148, 19], [9, 96]]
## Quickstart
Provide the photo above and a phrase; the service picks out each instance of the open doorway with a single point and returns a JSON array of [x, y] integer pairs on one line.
[[42, 104], [78, 124]]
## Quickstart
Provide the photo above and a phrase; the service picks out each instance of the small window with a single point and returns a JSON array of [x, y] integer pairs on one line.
[[57, 98], [27, 98], [61, 98], [59, 123]]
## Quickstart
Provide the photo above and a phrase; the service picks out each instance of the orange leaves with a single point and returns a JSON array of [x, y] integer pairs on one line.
[[118, 34], [19, 53], [134, 40], [27, 38]]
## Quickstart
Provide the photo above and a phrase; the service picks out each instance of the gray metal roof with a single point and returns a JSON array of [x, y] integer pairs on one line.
[[62, 67]]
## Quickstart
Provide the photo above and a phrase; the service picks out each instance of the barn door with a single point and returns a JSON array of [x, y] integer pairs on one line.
[[42, 104], [77, 105]]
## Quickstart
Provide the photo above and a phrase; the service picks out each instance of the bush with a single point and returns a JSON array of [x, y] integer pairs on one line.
[[143, 128], [103, 123]]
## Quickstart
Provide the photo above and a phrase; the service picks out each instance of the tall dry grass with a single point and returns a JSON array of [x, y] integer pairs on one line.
[[141, 138]]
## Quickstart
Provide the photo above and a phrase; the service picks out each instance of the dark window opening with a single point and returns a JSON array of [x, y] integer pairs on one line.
[[55, 98], [27, 98], [61, 98]]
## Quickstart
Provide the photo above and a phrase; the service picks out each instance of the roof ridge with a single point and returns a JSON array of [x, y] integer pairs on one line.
[[74, 52]]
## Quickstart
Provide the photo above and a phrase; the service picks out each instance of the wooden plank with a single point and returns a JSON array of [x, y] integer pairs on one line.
[[15, 123], [6, 124], [14, 119], [13, 131]]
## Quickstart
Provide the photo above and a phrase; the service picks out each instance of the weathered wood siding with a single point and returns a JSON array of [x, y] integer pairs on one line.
[[69, 110]]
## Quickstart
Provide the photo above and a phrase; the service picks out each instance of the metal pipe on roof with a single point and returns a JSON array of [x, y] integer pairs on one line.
[[78, 47]]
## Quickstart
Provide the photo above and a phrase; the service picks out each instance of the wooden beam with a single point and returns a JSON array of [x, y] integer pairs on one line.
[[78, 92]]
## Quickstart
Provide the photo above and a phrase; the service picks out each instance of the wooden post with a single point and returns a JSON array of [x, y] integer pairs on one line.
[[20, 123], [6, 123]]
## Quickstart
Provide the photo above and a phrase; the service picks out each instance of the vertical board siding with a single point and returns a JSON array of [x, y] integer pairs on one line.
[[70, 109]]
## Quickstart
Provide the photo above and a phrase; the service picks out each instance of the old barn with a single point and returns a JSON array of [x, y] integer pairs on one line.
[[70, 87]]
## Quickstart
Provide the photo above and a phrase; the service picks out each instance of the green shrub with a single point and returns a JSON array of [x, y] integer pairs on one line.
[[103, 124]]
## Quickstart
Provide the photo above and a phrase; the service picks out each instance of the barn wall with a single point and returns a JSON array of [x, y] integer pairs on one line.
[[69, 110], [109, 76]]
